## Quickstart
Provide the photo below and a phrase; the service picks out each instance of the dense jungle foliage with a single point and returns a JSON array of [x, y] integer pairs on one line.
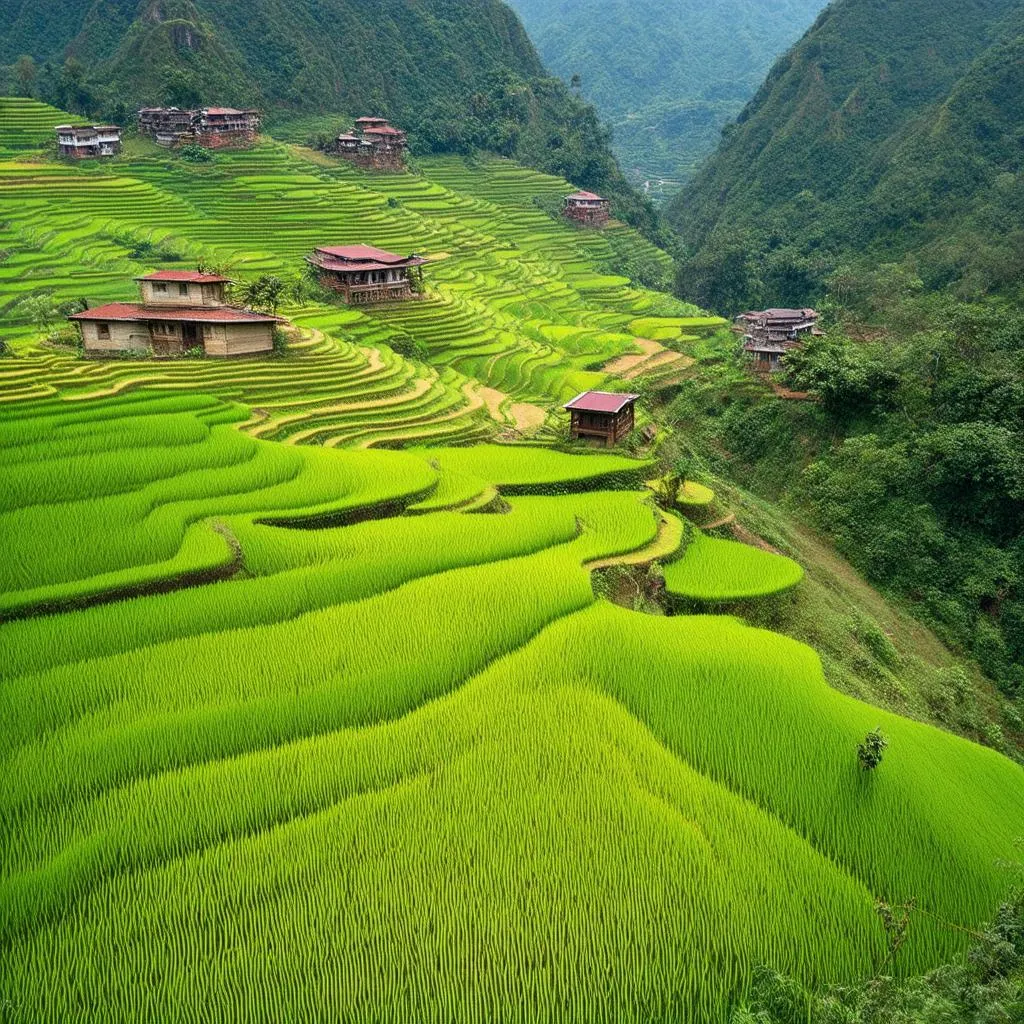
[[668, 74], [891, 132], [985, 985], [910, 459], [459, 75]]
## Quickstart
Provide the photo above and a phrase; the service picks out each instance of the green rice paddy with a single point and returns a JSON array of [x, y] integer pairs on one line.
[[308, 710]]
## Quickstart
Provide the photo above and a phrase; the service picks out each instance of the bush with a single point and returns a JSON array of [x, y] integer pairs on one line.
[[195, 154], [869, 753]]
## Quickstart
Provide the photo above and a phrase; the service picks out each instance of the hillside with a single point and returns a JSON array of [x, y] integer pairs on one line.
[[458, 76], [890, 133], [379, 676], [667, 74]]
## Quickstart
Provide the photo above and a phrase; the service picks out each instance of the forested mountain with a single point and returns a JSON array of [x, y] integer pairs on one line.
[[891, 132], [667, 73], [458, 74]]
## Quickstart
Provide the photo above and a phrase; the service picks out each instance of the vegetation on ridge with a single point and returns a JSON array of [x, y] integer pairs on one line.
[[458, 76], [667, 74], [889, 134]]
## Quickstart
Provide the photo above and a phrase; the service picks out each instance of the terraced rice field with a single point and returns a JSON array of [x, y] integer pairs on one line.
[[308, 710]]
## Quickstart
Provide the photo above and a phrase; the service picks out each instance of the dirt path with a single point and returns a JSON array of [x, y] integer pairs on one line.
[[525, 416], [656, 362], [622, 364]]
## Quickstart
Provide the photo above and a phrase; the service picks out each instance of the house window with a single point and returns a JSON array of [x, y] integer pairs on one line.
[[103, 332], [183, 289], [159, 288]]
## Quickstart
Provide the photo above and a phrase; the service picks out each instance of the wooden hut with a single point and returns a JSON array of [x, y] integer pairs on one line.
[[374, 144], [770, 333], [602, 414], [586, 208]]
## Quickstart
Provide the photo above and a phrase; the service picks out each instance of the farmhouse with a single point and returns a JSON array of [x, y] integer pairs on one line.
[[769, 334], [180, 310], [83, 141], [602, 414], [212, 127], [586, 208], [365, 274], [374, 144]]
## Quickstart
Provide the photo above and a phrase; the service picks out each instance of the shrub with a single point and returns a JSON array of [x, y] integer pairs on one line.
[[195, 154], [869, 753]]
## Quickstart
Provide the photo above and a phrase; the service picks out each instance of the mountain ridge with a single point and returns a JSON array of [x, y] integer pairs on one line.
[[831, 163], [459, 75]]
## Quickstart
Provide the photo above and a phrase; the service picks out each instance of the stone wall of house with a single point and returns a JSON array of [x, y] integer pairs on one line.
[[123, 336], [238, 339]]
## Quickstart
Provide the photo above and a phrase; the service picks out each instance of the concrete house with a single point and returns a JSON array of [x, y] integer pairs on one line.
[[180, 310], [81, 142]]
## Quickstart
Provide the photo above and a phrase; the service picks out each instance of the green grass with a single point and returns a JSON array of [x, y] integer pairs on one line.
[[396, 761]]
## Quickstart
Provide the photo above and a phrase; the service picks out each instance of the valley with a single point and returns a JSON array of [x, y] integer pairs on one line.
[[339, 684]]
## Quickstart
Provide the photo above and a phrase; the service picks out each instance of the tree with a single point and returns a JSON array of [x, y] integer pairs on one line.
[[25, 70], [869, 753], [40, 311], [264, 293]]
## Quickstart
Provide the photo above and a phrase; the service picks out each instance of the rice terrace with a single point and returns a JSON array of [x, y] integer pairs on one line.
[[340, 684]]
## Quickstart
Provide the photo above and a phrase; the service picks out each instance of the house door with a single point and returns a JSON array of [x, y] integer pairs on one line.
[[189, 335]]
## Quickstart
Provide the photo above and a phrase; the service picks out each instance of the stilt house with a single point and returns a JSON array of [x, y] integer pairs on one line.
[[605, 415], [769, 334], [364, 274]]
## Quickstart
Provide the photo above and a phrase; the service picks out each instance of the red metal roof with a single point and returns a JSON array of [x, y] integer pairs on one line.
[[361, 253], [586, 195], [137, 311], [383, 130], [227, 110], [329, 264], [601, 401], [195, 276]]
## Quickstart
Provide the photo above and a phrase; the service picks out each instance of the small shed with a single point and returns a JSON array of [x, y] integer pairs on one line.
[[606, 415], [587, 208]]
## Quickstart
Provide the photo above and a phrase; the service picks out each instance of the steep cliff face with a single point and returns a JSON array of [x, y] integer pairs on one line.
[[891, 130]]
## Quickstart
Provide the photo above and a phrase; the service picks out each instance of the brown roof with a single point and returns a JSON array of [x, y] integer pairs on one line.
[[586, 195], [601, 401], [364, 254], [383, 130], [195, 276], [137, 311]]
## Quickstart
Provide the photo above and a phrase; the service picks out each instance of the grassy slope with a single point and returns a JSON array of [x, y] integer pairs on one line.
[[256, 761]]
